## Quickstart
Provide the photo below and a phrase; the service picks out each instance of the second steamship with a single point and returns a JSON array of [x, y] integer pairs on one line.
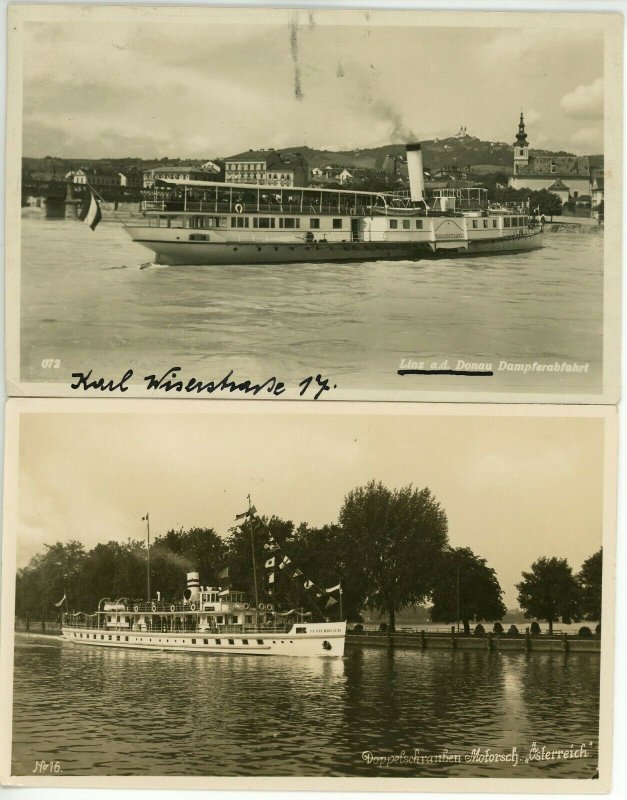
[[205, 222]]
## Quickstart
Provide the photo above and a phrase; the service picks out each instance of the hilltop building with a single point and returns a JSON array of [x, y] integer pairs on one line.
[[566, 176]]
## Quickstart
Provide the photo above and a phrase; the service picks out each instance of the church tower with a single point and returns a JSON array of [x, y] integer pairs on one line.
[[521, 147]]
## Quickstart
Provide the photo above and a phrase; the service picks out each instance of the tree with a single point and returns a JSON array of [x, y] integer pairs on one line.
[[393, 537], [465, 589], [549, 591], [590, 580]]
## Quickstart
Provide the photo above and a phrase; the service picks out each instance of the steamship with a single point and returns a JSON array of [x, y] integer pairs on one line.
[[206, 222], [205, 620]]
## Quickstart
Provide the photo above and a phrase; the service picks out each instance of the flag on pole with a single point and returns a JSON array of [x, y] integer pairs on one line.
[[270, 563], [146, 518], [61, 601], [331, 602], [308, 584], [90, 212], [272, 546], [318, 594], [332, 589], [251, 511], [285, 562]]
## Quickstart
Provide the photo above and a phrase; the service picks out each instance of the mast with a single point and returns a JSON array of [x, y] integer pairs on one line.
[[252, 545], [147, 518]]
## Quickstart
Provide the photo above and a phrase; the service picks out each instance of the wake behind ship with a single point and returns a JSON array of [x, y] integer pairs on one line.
[[206, 222]]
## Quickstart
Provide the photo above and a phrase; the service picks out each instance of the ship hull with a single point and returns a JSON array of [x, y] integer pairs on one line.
[[324, 640], [192, 253]]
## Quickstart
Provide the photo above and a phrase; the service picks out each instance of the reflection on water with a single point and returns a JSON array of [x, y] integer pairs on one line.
[[126, 712], [86, 303]]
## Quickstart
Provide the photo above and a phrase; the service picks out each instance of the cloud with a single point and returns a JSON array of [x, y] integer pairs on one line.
[[589, 139], [532, 116], [584, 102]]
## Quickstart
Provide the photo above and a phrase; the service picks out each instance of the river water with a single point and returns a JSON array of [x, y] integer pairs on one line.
[[86, 304], [126, 712]]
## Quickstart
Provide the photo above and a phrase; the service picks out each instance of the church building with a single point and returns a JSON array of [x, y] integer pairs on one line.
[[566, 176]]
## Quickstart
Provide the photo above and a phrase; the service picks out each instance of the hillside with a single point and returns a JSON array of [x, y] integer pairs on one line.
[[437, 153]]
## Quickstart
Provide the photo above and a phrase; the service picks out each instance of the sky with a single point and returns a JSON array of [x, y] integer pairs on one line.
[[513, 488], [164, 84]]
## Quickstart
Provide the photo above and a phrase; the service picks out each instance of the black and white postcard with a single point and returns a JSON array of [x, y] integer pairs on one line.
[[313, 203], [322, 596]]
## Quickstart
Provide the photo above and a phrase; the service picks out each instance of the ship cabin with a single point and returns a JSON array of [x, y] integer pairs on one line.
[[203, 608], [233, 213]]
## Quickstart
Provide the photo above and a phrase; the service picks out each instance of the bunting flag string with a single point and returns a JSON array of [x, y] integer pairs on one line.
[[272, 546], [333, 588], [331, 602]]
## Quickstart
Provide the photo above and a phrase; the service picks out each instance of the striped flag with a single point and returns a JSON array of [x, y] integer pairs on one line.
[[90, 212], [285, 562]]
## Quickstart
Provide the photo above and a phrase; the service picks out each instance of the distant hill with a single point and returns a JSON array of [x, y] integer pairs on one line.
[[437, 153], [461, 151]]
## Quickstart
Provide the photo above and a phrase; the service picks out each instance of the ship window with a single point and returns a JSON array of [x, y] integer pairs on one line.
[[126, 638], [393, 224], [198, 237], [506, 222], [495, 223], [485, 223], [231, 641], [244, 641], [118, 638], [110, 637], [249, 619], [406, 224], [205, 641], [239, 222], [301, 630], [474, 223], [314, 223], [259, 641], [419, 223], [193, 641], [218, 641], [337, 223], [263, 222], [289, 222]]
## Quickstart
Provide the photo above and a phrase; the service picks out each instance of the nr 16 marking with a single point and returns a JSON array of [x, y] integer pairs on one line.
[[44, 767]]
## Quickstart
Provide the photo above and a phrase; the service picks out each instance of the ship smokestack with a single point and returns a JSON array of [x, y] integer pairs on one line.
[[416, 174], [192, 593]]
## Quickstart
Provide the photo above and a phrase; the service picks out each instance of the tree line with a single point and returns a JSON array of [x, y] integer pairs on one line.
[[389, 550]]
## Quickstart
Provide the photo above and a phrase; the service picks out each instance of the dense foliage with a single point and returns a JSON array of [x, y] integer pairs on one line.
[[389, 550], [465, 589], [550, 591]]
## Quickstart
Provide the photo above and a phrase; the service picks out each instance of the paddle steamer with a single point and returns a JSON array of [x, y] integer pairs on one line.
[[205, 620], [206, 222]]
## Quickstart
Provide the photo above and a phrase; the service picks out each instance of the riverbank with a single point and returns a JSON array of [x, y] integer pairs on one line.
[[522, 642]]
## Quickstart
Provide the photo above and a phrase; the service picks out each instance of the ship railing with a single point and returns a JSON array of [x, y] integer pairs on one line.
[[240, 208]]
